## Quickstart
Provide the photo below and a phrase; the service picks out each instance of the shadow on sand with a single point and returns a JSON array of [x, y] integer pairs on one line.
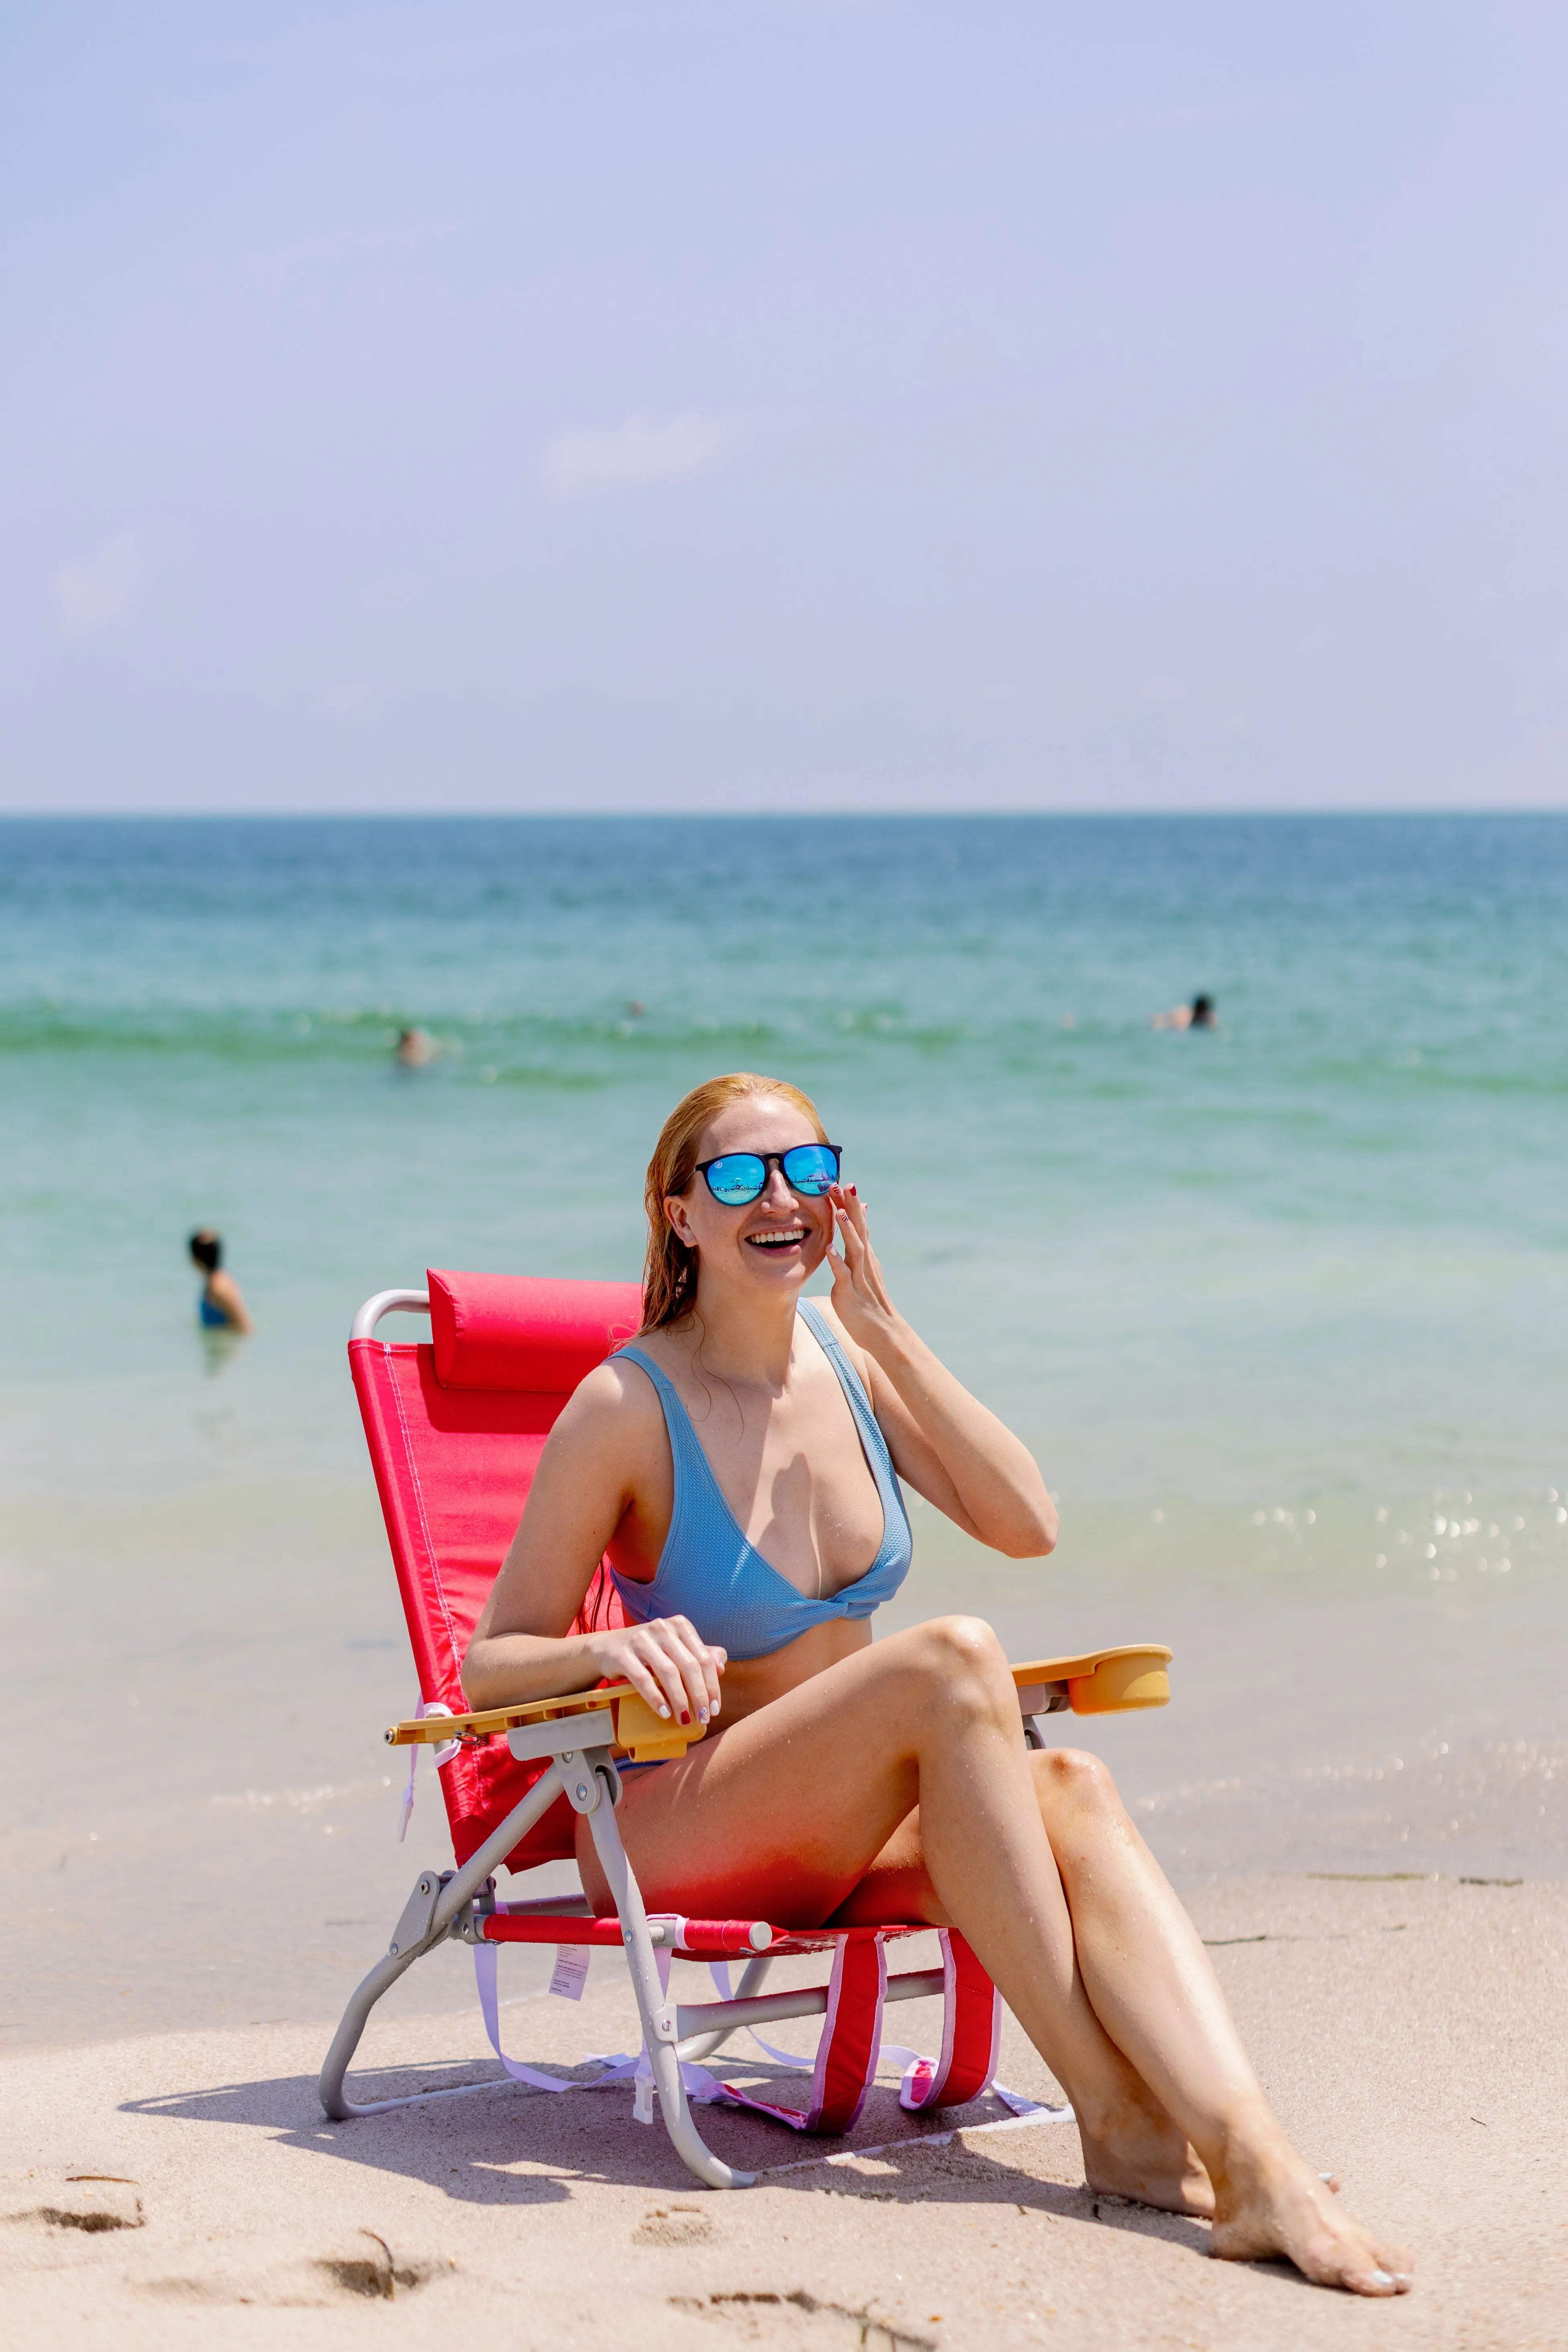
[[506, 2145]]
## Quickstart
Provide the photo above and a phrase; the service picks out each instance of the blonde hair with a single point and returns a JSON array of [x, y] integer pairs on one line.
[[669, 1272]]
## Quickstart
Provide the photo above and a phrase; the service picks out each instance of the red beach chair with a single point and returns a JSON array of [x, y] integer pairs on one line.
[[456, 1428]]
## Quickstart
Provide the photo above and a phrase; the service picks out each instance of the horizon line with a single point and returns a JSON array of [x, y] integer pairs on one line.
[[749, 816]]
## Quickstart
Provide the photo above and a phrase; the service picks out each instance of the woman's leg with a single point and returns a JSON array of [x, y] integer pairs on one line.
[[1130, 2145], [1155, 1989], [785, 1812], [1145, 1971]]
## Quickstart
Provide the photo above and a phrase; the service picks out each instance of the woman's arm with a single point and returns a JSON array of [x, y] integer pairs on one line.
[[223, 1288], [603, 1455], [947, 1447]]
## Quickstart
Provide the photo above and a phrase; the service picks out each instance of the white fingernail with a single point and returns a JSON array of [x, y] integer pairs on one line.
[[1384, 2278], [664, 1711]]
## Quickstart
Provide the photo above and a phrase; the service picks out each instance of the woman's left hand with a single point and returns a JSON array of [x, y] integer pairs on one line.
[[860, 1297]]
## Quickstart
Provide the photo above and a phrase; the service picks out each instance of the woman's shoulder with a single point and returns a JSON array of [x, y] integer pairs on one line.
[[614, 1405]]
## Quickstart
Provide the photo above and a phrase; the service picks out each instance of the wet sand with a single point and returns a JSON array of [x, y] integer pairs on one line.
[[1408, 2031]]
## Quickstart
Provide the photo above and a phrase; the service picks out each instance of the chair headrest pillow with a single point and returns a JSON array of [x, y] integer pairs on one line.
[[524, 1331]]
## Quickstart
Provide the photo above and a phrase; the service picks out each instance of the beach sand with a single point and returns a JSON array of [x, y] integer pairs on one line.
[[184, 2187]]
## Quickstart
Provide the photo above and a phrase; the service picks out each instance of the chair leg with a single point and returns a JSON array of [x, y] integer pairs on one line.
[[438, 1899], [657, 2014], [752, 1977]]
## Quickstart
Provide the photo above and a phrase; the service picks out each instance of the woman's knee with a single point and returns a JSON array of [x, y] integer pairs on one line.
[[1071, 1781], [962, 1662]]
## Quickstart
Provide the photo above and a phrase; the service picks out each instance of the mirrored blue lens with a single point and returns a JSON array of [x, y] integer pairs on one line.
[[738, 1178], [810, 1168]]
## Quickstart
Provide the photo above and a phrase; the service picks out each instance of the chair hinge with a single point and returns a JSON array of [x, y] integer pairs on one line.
[[413, 1927]]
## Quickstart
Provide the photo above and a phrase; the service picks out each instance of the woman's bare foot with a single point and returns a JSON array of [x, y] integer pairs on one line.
[[1268, 2204], [1143, 2155]]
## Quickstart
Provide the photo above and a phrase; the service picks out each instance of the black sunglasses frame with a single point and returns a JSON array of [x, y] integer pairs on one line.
[[770, 1161]]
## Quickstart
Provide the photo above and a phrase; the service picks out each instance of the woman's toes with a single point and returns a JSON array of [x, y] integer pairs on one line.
[[1375, 2269], [1298, 2222], [1379, 2281]]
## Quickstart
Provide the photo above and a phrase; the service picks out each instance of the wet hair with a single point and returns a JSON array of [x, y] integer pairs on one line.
[[1202, 1008], [670, 1271], [207, 1248]]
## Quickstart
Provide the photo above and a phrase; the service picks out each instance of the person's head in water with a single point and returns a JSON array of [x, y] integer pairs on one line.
[[207, 1248], [415, 1047], [1203, 1012]]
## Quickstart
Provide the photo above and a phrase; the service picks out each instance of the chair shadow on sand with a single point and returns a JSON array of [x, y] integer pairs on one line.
[[480, 2149]]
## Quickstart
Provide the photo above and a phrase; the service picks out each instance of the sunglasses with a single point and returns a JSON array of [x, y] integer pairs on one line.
[[736, 1179]]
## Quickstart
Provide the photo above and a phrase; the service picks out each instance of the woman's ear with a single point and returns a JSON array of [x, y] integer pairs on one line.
[[681, 1223]]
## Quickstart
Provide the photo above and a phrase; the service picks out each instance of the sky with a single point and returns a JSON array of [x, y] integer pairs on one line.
[[511, 406]]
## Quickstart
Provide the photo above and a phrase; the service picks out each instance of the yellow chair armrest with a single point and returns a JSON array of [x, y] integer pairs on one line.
[[1100, 1681], [647, 1737]]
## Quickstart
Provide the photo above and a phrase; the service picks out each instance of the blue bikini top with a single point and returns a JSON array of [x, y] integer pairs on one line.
[[708, 1572]]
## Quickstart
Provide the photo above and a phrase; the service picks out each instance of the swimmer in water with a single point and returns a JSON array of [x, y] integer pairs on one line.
[[1198, 1014], [220, 1306], [415, 1047]]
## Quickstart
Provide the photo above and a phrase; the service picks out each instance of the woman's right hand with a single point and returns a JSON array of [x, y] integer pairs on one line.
[[669, 1663]]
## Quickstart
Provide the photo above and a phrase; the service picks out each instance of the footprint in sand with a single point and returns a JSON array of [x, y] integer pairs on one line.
[[362, 2266], [673, 2225], [799, 2322], [88, 2201]]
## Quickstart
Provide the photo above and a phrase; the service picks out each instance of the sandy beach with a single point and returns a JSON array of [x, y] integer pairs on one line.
[[186, 2188], [1377, 1861]]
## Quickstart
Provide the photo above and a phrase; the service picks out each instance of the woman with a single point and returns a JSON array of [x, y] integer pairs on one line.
[[737, 1466], [221, 1307]]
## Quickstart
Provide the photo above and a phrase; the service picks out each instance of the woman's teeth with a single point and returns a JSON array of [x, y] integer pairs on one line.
[[784, 1240]]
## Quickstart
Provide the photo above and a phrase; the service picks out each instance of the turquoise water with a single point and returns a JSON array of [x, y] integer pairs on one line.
[[1282, 1307], [1319, 1254]]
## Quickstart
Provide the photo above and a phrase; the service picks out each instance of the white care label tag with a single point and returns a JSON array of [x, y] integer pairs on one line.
[[571, 1971]]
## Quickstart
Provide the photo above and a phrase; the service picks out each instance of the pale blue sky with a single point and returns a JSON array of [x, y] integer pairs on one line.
[[574, 406]]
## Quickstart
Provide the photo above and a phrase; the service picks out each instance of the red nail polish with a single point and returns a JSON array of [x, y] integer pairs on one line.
[[685, 1716]]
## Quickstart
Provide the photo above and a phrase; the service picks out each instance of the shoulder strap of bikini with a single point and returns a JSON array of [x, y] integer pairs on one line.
[[850, 1379], [661, 1381], [683, 1439], [826, 1340]]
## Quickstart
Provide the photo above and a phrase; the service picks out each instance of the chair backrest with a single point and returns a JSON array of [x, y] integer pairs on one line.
[[455, 1429]]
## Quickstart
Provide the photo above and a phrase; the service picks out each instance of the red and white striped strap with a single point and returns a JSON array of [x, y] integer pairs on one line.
[[851, 2046], [970, 2035], [847, 2054]]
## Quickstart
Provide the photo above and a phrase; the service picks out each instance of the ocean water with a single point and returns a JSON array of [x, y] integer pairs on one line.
[[1283, 1308], [1318, 1253]]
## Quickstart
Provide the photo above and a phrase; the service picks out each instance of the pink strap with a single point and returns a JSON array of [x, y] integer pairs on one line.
[[851, 2040], [847, 2054], [971, 2034]]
